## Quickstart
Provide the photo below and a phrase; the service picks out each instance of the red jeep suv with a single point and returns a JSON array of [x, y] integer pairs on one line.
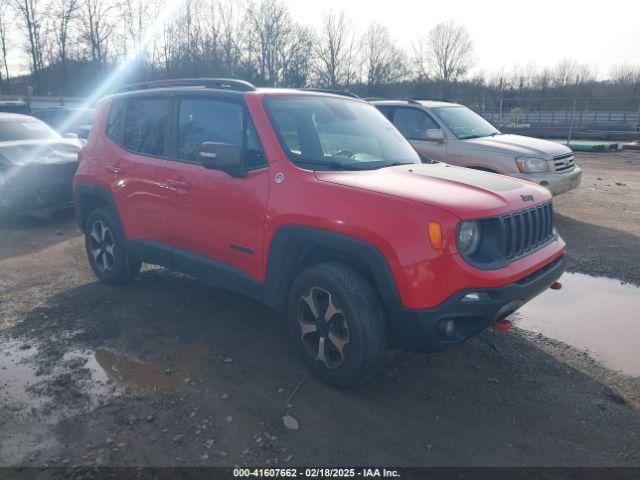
[[314, 204]]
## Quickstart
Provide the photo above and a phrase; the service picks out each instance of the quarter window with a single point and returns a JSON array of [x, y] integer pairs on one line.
[[413, 123], [145, 125]]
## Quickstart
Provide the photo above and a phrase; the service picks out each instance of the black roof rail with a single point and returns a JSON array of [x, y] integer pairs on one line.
[[218, 83], [345, 93], [408, 100]]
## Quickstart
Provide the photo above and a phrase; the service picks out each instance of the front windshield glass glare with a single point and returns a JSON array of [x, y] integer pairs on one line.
[[323, 133], [28, 129], [465, 123]]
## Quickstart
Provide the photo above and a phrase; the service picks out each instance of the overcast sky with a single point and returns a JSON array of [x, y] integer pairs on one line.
[[506, 32]]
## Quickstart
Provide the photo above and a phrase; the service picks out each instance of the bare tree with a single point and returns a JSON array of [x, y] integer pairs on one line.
[[296, 55], [63, 14], [4, 64], [336, 52], [97, 27], [30, 15], [230, 27], [271, 33], [383, 61], [625, 74], [446, 54]]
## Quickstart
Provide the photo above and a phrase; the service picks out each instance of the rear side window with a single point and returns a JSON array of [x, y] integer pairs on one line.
[[385, 110], [145, 125], [413, 123], [115, 121], [216, 121]]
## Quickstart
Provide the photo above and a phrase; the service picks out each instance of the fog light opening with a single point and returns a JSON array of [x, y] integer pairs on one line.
[[447, 327], [476, 297]]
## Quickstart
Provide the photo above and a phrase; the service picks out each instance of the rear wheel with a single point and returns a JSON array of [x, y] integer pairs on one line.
[[337, 323], [105, 249]]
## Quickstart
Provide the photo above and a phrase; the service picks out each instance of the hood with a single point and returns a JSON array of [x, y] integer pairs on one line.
[[519, 146], [25, 152], [463, 192]]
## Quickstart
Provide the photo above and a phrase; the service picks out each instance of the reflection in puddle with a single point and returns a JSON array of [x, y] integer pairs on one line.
[[599, 315], [96, 374], [168, 374], [17, 373]]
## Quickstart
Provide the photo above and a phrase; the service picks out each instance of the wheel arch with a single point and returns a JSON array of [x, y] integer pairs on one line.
[[88, 197], [295, 247]]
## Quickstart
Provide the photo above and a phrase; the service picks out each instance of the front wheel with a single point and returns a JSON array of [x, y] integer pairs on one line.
[[105, 249], [337, 323]]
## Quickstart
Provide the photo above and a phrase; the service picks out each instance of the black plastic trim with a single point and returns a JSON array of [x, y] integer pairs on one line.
[[83, 190]]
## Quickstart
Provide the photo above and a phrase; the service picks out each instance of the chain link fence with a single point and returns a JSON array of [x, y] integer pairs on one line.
[[562, 117]]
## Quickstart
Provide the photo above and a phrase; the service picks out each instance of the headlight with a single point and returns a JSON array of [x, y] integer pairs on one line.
[[532, 165], [468, 237]]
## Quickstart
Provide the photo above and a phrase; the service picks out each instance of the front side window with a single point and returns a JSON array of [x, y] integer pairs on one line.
[[216, 121], [145, 125], [465, 123], [28, 128], [413, 123], [337, 134]]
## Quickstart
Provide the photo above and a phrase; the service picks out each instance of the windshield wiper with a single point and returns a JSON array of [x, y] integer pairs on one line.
[[395, 164], [330, 164]]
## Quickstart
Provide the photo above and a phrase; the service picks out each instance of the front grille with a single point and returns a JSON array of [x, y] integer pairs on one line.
[[527, 229], [565, 162]]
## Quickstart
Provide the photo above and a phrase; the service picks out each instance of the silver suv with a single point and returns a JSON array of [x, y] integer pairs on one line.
[[451, 133]]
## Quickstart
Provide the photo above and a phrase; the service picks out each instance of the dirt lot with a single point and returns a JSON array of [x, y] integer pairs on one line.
[[171, 371]]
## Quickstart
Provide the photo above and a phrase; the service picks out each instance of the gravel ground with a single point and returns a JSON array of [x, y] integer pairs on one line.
[[171, 371]]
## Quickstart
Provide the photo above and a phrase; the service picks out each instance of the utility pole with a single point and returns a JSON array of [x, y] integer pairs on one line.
[[500, 112], [573, 112]]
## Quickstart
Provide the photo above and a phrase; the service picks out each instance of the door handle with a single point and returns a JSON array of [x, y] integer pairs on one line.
[[179, 183], [114, 169]]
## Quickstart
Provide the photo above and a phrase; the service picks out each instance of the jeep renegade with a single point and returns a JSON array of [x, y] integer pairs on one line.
[[316, 205]]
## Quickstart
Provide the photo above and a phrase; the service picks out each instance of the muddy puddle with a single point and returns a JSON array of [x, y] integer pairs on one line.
[[597, 315], [17, 374], [98, 373], [171, 373]]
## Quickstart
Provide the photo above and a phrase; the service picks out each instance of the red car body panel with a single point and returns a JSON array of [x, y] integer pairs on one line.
[[206, 211]]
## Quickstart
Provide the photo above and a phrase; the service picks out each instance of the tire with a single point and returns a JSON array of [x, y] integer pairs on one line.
[[357, 324], [106, 251]]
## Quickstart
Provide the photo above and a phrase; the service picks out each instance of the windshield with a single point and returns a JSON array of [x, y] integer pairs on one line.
[[465, 123], [25, 129], [323, 133]]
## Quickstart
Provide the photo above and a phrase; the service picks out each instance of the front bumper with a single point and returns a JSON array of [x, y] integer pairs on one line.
[[556, 183], [418, 330]]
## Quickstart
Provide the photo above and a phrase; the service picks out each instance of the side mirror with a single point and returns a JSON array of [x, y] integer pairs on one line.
[[222, 156], [435, 135], [70, 135]]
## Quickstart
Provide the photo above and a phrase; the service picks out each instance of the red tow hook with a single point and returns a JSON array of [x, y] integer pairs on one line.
[[556, 286], [502, 325]]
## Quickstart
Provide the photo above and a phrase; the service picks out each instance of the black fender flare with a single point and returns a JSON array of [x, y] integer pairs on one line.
[[82, 192], [278, 276]]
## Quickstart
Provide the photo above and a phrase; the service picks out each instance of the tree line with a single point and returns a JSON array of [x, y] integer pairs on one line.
[[71, 45]]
